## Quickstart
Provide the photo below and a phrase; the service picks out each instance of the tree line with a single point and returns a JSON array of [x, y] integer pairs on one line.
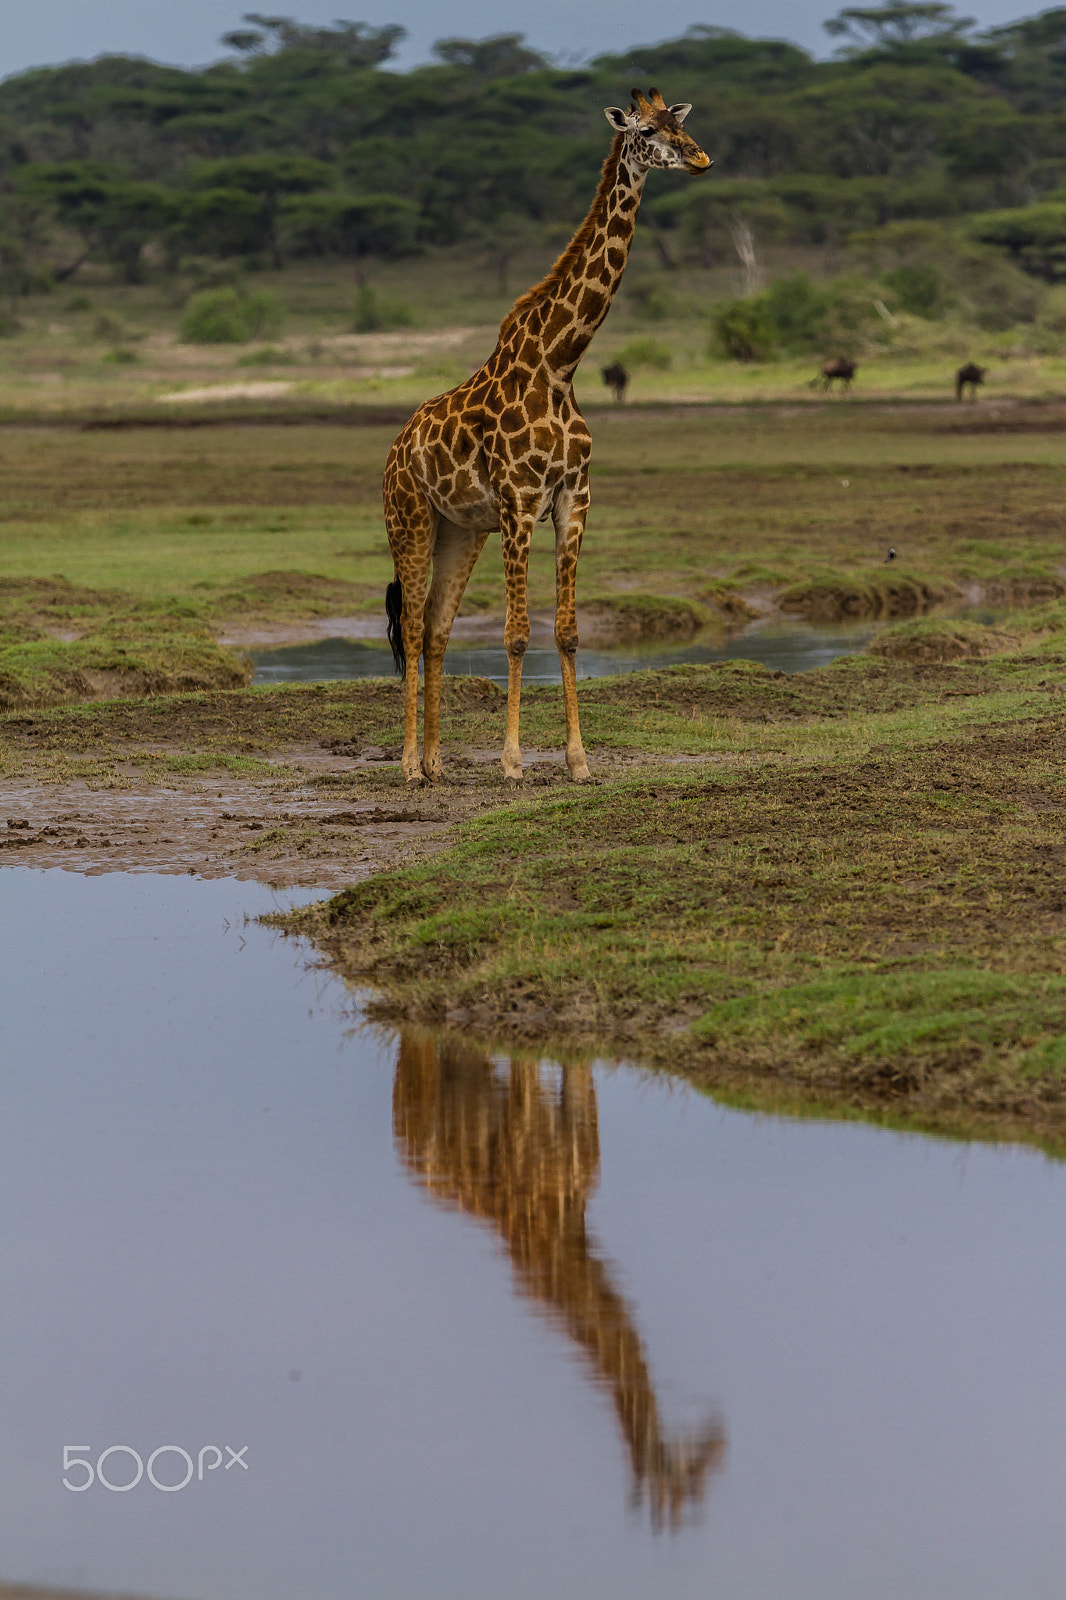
[[304, 141]]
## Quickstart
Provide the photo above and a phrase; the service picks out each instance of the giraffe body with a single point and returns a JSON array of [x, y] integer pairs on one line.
[[509, 448]]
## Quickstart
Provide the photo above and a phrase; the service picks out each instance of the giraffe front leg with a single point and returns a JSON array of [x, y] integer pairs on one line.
[[517, 534], [569, 530]]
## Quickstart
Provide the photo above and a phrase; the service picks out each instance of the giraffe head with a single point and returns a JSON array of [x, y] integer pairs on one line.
[[654, 135]]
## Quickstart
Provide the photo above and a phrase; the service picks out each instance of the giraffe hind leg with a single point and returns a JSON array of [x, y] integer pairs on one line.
[[411, 523], [454, 555]]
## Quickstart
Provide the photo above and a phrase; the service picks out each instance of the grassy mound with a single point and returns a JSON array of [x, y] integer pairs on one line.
[[636, 617], [938, 640], [43, 672], [831, 597]]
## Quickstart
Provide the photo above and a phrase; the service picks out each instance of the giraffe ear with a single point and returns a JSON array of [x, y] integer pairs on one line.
[[618, 118], [681, 110]]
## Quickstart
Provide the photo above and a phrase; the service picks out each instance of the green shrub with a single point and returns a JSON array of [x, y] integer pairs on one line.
[[1001, 295], [215, 316], [798, 310], [797, 316], [645, 353], [226, 316], [919, 288], [120, 355], [268, 356], [744, 330], [849, 315], [375, 315]]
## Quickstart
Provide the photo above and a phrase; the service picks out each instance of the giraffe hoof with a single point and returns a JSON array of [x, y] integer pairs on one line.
[[581, 775]]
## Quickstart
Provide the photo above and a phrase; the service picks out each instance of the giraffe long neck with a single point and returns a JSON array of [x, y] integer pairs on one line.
[[567, 307]]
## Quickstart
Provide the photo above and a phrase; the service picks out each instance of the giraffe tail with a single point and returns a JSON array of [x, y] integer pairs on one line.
[[394, 611]]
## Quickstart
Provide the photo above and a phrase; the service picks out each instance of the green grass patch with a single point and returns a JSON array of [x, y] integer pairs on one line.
[[887, 927], [686, 505], [900, 1015]]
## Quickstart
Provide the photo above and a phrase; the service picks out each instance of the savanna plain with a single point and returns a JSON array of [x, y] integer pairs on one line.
[[839, 891]]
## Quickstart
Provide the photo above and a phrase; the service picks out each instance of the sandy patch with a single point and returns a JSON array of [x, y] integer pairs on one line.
[[351, 373], [228, 391]]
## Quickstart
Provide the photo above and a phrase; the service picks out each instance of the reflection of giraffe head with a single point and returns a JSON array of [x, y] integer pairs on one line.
[[674, 1474], [654, 135]]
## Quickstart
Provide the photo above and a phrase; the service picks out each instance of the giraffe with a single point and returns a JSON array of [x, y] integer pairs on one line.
[[508, 448], [521, 1153]]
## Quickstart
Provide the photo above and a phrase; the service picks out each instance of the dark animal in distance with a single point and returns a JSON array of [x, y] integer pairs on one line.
[[837, 367], [617, 380], [891, 554], [969, 376]]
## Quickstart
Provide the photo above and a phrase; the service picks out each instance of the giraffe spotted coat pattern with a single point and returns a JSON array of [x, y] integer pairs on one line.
[[509, 448]]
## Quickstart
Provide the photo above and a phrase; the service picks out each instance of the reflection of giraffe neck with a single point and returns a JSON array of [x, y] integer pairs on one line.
[[564, 310], [524, 1155]]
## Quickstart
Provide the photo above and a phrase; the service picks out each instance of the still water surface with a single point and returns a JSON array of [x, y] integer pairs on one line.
[[784, 647], [487, 1328]]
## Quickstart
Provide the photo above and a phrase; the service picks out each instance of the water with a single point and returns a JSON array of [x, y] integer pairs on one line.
[[792, 647], [465, 1312]]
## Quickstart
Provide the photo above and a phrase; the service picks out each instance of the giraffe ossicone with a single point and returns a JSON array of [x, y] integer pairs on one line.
[[509, 448]]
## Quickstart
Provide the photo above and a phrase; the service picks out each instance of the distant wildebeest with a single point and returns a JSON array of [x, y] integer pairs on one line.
[[617, 380], [837, 367], [969, 376]]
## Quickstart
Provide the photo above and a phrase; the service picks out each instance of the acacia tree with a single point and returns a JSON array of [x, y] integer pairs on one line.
[[501, 55], [347, 44], [352, 225], [268, 178], [897, 22], [114, 216]]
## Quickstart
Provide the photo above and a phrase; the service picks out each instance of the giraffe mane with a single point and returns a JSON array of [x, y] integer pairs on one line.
[[575, 250]]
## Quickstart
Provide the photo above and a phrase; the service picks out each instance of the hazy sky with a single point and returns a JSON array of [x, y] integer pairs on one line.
[[186, 32]]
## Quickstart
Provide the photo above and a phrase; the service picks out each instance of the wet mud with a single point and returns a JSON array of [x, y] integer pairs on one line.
[[323, 821]]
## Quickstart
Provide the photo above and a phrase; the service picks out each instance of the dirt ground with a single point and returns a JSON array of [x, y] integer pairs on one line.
[[327, 820], [301, 786]]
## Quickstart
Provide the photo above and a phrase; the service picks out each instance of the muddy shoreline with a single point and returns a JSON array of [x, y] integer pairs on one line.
[[312, 819], [837, 889]]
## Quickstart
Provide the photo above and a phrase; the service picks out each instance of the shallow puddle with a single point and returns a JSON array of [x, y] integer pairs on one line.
[[792, 647], [486, 1327]]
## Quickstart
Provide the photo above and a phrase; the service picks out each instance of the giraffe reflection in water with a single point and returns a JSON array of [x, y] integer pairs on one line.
[[517, 1146]]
